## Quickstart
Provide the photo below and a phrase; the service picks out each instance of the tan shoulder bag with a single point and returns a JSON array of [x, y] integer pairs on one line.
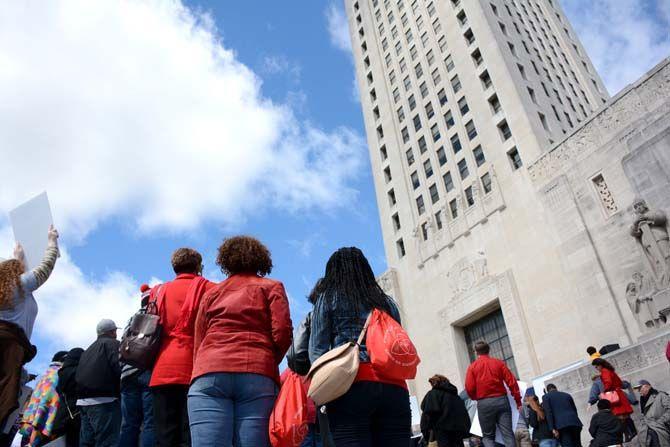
[[333, 373]]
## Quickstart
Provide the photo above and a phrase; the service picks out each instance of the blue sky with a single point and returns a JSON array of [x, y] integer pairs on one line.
[[155, 125]]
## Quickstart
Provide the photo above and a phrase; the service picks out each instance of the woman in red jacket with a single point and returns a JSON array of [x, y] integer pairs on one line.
[[612, 383], [242, 332]]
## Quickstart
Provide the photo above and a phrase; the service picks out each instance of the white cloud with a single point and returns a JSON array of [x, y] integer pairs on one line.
[[136, 109], [279, 64], [624, 38], [338, 28]]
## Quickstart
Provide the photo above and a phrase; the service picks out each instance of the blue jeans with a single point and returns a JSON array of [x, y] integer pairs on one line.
[[313, 439], [548, 443], [226, 409], [137, 411], [100, 425]]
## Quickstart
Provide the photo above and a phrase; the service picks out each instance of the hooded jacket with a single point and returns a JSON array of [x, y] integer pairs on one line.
[[606, 429], [444, 413]]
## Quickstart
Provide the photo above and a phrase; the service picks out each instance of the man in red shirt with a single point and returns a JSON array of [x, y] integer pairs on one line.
[[485, 382]]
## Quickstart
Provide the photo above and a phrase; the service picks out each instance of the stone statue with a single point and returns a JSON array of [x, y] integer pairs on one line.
[[639, 294], [651, 231]]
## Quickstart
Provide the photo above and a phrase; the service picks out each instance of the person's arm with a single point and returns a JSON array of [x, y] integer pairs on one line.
[[280, 320], [512, 384], [320, 331], [200, 326], [113, 359], [32, 280], [665, 403], [548, 413], [593, 427], [470, 383]]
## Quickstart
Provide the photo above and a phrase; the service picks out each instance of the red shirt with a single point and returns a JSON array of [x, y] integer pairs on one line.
[[243, 326], [612, 382], [174, 363], [487, 377]]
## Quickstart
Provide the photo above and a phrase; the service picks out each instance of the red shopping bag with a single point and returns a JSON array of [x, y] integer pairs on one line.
[[392, 353], [288, 421]]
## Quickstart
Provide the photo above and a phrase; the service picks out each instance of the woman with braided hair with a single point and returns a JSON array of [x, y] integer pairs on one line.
[[375, 412]]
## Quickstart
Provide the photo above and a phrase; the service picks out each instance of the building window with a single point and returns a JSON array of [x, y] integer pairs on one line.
[[438, 220], [478, 153], [413, 52], [383, 153], [429, 111], [511, 48], [442, 42], [401, 114], [412, 102], [420, 206], [449, 119], [405, 135], [375, 113], [463, 169], [441, 156], [427, 168], [424, 231], [442, 97], [396, 95], [403, 65], [463, 106], [436, 77], [396, 221], [477, 57], [414, 177], [380, 132], [448, 181], [493, 331], [410, 156], [543, 120], [408, 83], [400, 246], [422, 145], [424, 39], [456, 84], [531, 93], [418, 71], [434, 195], [391, 197], [505, 131], [424, 90], [471, 129], [494, 9], [387, 174], [469, 197], [486, 79], [514, 158], [469, 37], [494, 103], [417, 123], [486, 183], [453, 207], [449, 62], [462, 18], [522, 71], [456, 143]]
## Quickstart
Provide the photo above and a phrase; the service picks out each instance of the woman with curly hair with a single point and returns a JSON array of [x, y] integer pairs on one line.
[[18, 311], [243, 329]]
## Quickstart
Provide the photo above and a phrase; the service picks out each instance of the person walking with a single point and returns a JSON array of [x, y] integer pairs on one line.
[[537, 419], [521, 431], [612, 383], [68, 417], [655, 407], [178, 302], [485, 382], [137, 409], [99, 389], [562, 417], [444, 416], [375, 412], [605, 428], [18, 311], [242, 332]]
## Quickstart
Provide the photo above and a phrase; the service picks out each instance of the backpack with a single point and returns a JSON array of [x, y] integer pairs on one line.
[[141, 341], [392, 353]]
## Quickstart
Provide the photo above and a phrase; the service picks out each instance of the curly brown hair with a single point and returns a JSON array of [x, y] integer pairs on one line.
[[10, 279], [244, 254], [186, 260], [437, 379]]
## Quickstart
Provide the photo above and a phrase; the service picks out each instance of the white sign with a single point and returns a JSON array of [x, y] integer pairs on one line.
[[30, 223], [476, 428]]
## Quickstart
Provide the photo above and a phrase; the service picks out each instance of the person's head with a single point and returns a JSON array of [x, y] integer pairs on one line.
[[591, 350], [604, 404], [601, 364], [640, 205], [314, 294], [482, 348], [186, 261], [10, 280], [244, 254], [437, 380], [74, 354], [349, 277], [106, 328], [644, 387], [551, 387], [59, 356]]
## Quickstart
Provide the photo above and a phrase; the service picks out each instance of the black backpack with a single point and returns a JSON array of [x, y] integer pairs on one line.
[[141, 340]]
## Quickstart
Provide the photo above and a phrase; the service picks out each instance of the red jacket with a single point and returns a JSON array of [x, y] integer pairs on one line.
[[174, 363], [243, 326], [612, 382], [486, 377]]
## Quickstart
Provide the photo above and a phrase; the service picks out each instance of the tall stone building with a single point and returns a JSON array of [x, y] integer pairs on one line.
[[459, 97]]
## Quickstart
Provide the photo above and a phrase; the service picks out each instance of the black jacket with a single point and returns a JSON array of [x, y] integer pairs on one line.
[[99, 371], [606, 429], [540, 427], [560, 410], [444, 413]]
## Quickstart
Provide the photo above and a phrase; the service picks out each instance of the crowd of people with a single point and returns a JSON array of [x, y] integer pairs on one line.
[[215, 378]]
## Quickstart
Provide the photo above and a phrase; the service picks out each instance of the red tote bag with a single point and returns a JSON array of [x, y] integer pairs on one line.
[[288, 421], [392, 353]]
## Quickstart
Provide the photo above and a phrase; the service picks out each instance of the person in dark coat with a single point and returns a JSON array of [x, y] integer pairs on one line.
[[444, 414], [67, 417], [562, 417], [606, 429]]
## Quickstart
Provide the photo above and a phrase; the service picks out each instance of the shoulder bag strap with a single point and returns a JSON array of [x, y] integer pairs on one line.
[[365, 328]]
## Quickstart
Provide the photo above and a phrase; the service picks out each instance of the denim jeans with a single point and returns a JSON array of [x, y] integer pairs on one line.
[[548, 443], [371, 414], [231, 409], [313, 438], [100, 425], [138, 413]]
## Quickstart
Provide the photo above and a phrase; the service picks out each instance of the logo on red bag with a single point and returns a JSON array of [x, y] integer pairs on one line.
[[399, 347], [300, 427]]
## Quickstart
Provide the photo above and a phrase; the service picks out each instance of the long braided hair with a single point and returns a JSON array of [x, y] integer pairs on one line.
[[349, 277]]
